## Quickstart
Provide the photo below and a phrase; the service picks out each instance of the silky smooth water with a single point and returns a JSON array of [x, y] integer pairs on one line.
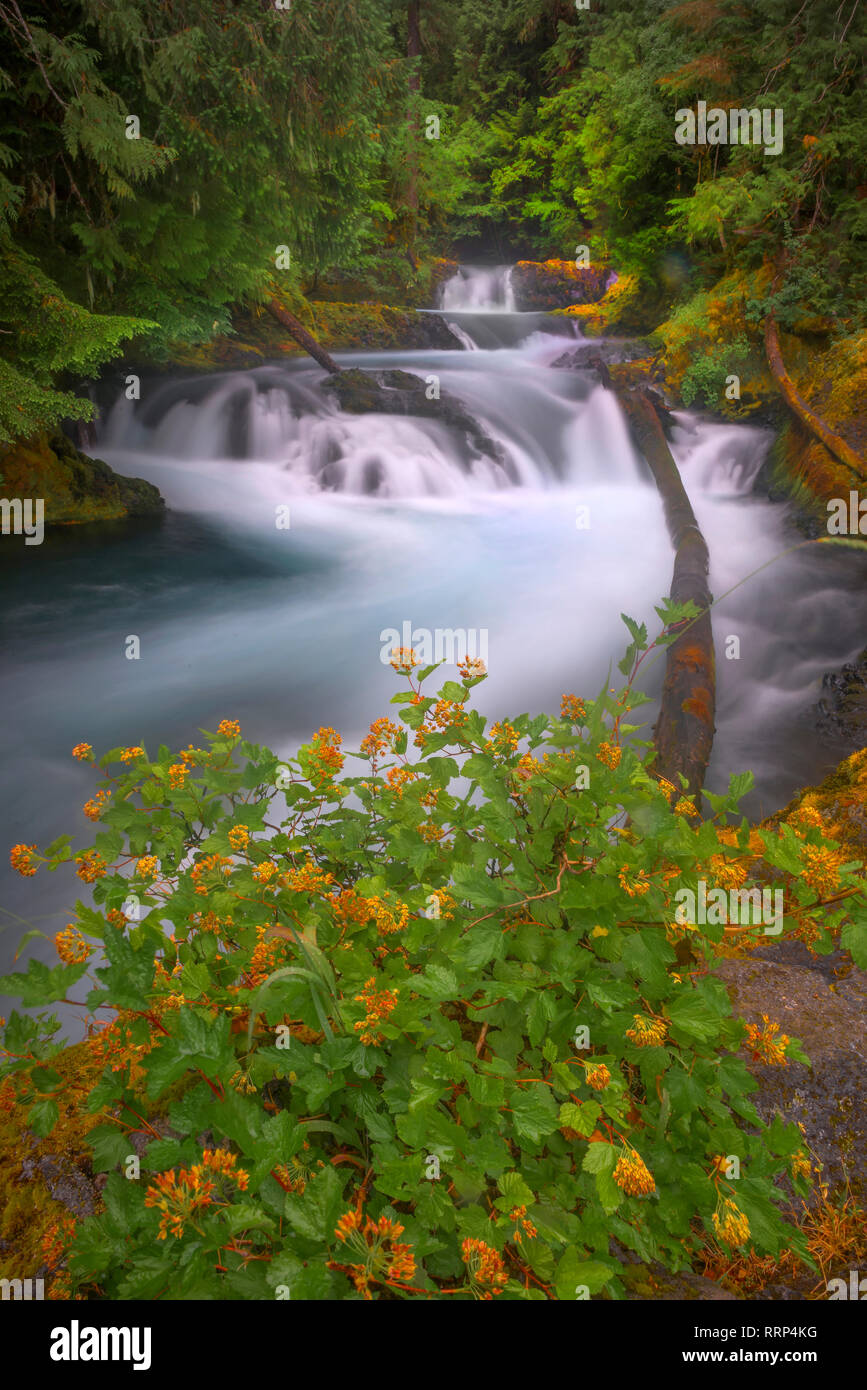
[[392, 520]]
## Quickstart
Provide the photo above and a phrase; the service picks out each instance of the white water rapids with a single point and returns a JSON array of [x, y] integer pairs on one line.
[[392, 520]]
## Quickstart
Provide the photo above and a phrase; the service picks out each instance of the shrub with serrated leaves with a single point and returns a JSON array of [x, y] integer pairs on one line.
[[434, 1027]]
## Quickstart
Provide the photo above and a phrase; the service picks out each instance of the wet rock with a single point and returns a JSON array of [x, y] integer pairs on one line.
[[842, 707], [402, 393], [543, 286], [822, 1000]]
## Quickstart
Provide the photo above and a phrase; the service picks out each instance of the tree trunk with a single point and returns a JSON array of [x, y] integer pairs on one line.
[[684, 731], [302, 337], [413, 51], [796, 403]]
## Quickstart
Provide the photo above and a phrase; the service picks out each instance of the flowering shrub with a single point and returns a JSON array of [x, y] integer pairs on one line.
[[419, 1035]]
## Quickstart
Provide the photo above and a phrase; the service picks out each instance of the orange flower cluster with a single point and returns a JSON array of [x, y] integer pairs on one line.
[[383, 1259], [380, 739], [504, 739], [266, 958], [112, 1046], [378, 1005], [822, 871], [805, 818], [147, 867], [471, 667], [404, 659], [177, 776], [308, 879], [573, 709], [398, 777], [212, 863], [648, 1032], [726, 874], [431, 833], [733, 1226], [684, 807], [528, 767], [294, 1174], [264, 872], [129, 755], [609, 755], [191, 755], [71, 946], [487, 1273], [801, 1165], [448, 714], [83, 752], [181, 1197], [210, 922], [229, 728], [635, 887], [326, 761], [115, 918], [764, 1043], [518, 1214], [633, 1176], [239, 836], [597, 1077], [93, 808], [446, 902], [19, 858], [91, 866]]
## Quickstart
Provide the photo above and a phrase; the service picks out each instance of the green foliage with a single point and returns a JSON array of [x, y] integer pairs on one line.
[[257, 129], [705, 378], [451, 994]]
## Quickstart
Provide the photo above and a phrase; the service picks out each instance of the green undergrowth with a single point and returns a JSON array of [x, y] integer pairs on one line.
[[430, 1019]]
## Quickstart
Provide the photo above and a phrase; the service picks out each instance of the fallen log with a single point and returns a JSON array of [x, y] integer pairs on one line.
[[301, 336], [683, 734], [796, 403]]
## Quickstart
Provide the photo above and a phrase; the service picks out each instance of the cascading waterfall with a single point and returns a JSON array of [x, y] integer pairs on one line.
[[298, 534]]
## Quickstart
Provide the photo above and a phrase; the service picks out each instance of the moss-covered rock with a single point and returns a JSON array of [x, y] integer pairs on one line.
[[46, 1184], [621, 309], [338, 327], [542, 286], [74, 488]]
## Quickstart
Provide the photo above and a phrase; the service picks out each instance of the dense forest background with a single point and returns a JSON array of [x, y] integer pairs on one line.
[[308, 127]]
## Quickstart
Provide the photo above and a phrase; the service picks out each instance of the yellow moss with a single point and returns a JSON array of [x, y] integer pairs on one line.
[[840, 800], [27, 1209], [598, 319]]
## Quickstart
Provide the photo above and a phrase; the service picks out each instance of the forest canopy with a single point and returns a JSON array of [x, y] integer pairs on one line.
[[160, 165]]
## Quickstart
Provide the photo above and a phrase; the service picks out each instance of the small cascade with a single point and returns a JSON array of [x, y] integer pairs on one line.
[[480, 289]]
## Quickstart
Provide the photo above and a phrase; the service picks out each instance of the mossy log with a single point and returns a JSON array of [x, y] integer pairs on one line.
[[302, 337], [683, 735]]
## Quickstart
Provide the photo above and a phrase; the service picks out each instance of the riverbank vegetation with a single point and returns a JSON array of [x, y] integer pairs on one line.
[[412, 1036]]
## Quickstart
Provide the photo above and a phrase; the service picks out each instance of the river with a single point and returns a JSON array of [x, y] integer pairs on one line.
[[391, 521]]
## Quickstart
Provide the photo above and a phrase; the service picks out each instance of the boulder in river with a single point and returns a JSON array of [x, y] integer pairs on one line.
[[542, 286], [397, 392]]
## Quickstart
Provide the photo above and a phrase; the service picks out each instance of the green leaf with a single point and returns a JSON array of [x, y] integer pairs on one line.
[[39, 985], [42, 1117]]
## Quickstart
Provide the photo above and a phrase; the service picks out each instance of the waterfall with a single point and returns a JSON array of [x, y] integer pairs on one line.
[[480, 289], [297, 534]]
